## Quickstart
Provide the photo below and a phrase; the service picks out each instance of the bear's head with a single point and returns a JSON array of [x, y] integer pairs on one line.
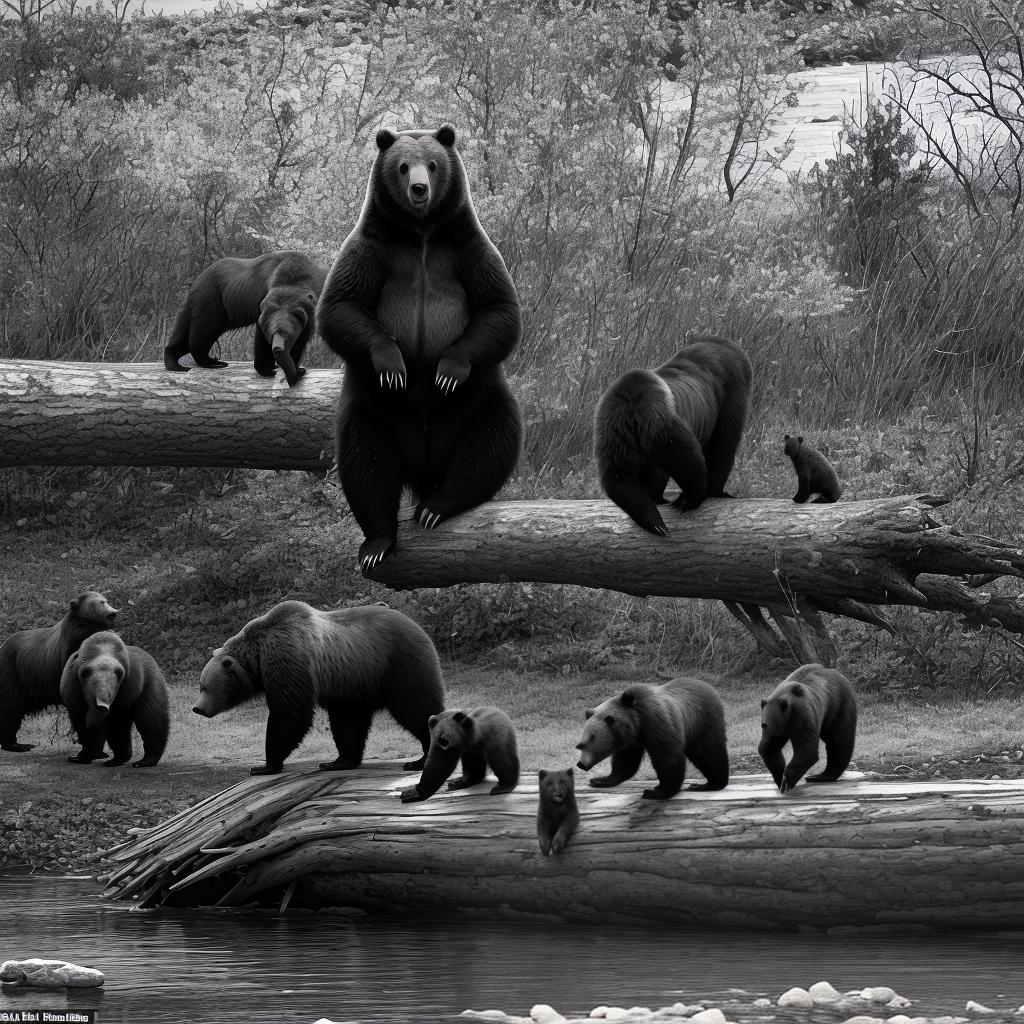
[[608, 728], [777, 709], [418, 174], [92, 608], [101, 664], [791, 445], [450, 730], [285, 313], [556, 787], [225, 682]]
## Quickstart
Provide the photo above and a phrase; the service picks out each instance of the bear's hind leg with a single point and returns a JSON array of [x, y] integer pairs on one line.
[[838, 746], [153, 721], [350, 726], [202, 336], [474, 769], [681, 457], [10, 722], [721, 447], [415, 696], [625, 764], [505, 765], [711, 759]]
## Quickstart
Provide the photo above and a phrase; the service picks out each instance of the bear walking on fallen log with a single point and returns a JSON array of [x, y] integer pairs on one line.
[[352, 662], [31, 662], [812, 704], [108, 687], [277, 292], [558, 815], [482, 737], [680, 719]]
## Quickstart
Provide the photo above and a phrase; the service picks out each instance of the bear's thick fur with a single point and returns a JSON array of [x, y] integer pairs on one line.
[[811, 704], [352, 662], [108, 687], [481, 737], [420, 306], [277, 292], [558, 815], [31, 662], [680, 719], [814, 473], [683, 420]]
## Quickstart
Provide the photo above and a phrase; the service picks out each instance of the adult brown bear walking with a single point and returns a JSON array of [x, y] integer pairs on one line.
[[683, 420], [108, 687], [31, 662], [352, 662], [277, 292], [420, 306]]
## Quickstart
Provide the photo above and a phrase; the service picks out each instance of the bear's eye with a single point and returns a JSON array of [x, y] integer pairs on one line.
[[86, 672], [226, 663], [403, 168], [433, 166]]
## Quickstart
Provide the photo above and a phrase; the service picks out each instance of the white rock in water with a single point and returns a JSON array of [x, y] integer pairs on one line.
[[676, 1010], [709, 1016], [795, 997], [761, 1002], [599, 1012], [823, 992], [639, 1011], [544, 1014], [863, 1018], [1019, 1011], [949, 1020], [973, 1007], [485, 1014], [615, 1013], [36, 973], [899, 1018], [878, 994], [899, 1003]]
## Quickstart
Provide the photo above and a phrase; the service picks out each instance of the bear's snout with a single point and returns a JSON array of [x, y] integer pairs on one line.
[[202, 711], [419, 190]]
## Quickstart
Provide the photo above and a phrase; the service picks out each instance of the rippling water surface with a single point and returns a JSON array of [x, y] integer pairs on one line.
[[171, 967]]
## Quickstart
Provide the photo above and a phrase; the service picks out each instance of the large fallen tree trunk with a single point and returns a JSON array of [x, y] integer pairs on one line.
[[795, 561], [852, 853], [138, 414]]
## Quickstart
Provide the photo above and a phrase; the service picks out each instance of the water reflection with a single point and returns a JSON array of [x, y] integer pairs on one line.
[[167, 967]]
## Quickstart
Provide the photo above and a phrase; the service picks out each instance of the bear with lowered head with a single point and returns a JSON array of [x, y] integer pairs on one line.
[[680, 719], [352, 662], [32, 660], [421, 307], [108, 687], [683, 421], [277, 292], [481, 737], [811, 705]]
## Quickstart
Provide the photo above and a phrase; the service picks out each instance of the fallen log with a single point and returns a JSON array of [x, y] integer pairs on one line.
[[857, 853], [138, 414]]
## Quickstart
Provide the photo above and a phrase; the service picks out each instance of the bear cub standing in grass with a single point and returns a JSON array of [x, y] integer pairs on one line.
[[680, 719], [558, 816], [481, 737], [814, 473], [108, 687], [352, 662], [683, 420], [811, 704], [32, 660], [420, 306]]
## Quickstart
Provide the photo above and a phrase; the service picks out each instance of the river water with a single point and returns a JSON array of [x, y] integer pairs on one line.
[[171, 967]]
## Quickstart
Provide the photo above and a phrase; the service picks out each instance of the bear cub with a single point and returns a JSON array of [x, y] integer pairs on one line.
[[681, 719], [481, 737], [814, 473], [811, 704], [558, 816]]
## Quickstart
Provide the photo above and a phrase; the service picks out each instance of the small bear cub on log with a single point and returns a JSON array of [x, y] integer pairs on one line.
[[814, 473], [680, 719], [558, 817], [811, 703], [481, 737]]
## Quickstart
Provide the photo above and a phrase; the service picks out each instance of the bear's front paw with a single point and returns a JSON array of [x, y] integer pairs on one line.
[[787, 785], [411, 795], [604, 781], [16, 748], [266, 769], [339, 764], [452, 370], [389, 367], [656, 794], [427, 517], [300, 372], [373, 552]]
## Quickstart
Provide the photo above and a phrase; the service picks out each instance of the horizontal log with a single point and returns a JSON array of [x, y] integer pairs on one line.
[[857, 853], [138, 414]]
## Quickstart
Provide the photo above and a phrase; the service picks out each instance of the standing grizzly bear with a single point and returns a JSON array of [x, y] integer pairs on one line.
[[558, 815], [108, 687], [683, 420], [31, 662], [352, 662], [680, 719], [811, 704], [421, 308], [481, 737], [814, 473], [277, 292]]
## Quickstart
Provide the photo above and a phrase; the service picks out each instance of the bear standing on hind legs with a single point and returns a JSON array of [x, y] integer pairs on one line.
[[277, 292], [420, 306], [814, 473], [682, 421], [812, 704]]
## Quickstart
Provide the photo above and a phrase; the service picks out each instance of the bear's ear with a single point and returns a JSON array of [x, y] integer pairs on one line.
[[542, 774], [446, 136], [589, 713], [432, 721], [627, 700], [798, 691], [786, 438], [385, 139], [800, 438], [764, 703], [76, 603], [568, 771]]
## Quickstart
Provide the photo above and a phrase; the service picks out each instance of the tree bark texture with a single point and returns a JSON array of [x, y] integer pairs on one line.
[[852, 853], [138, 414]]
